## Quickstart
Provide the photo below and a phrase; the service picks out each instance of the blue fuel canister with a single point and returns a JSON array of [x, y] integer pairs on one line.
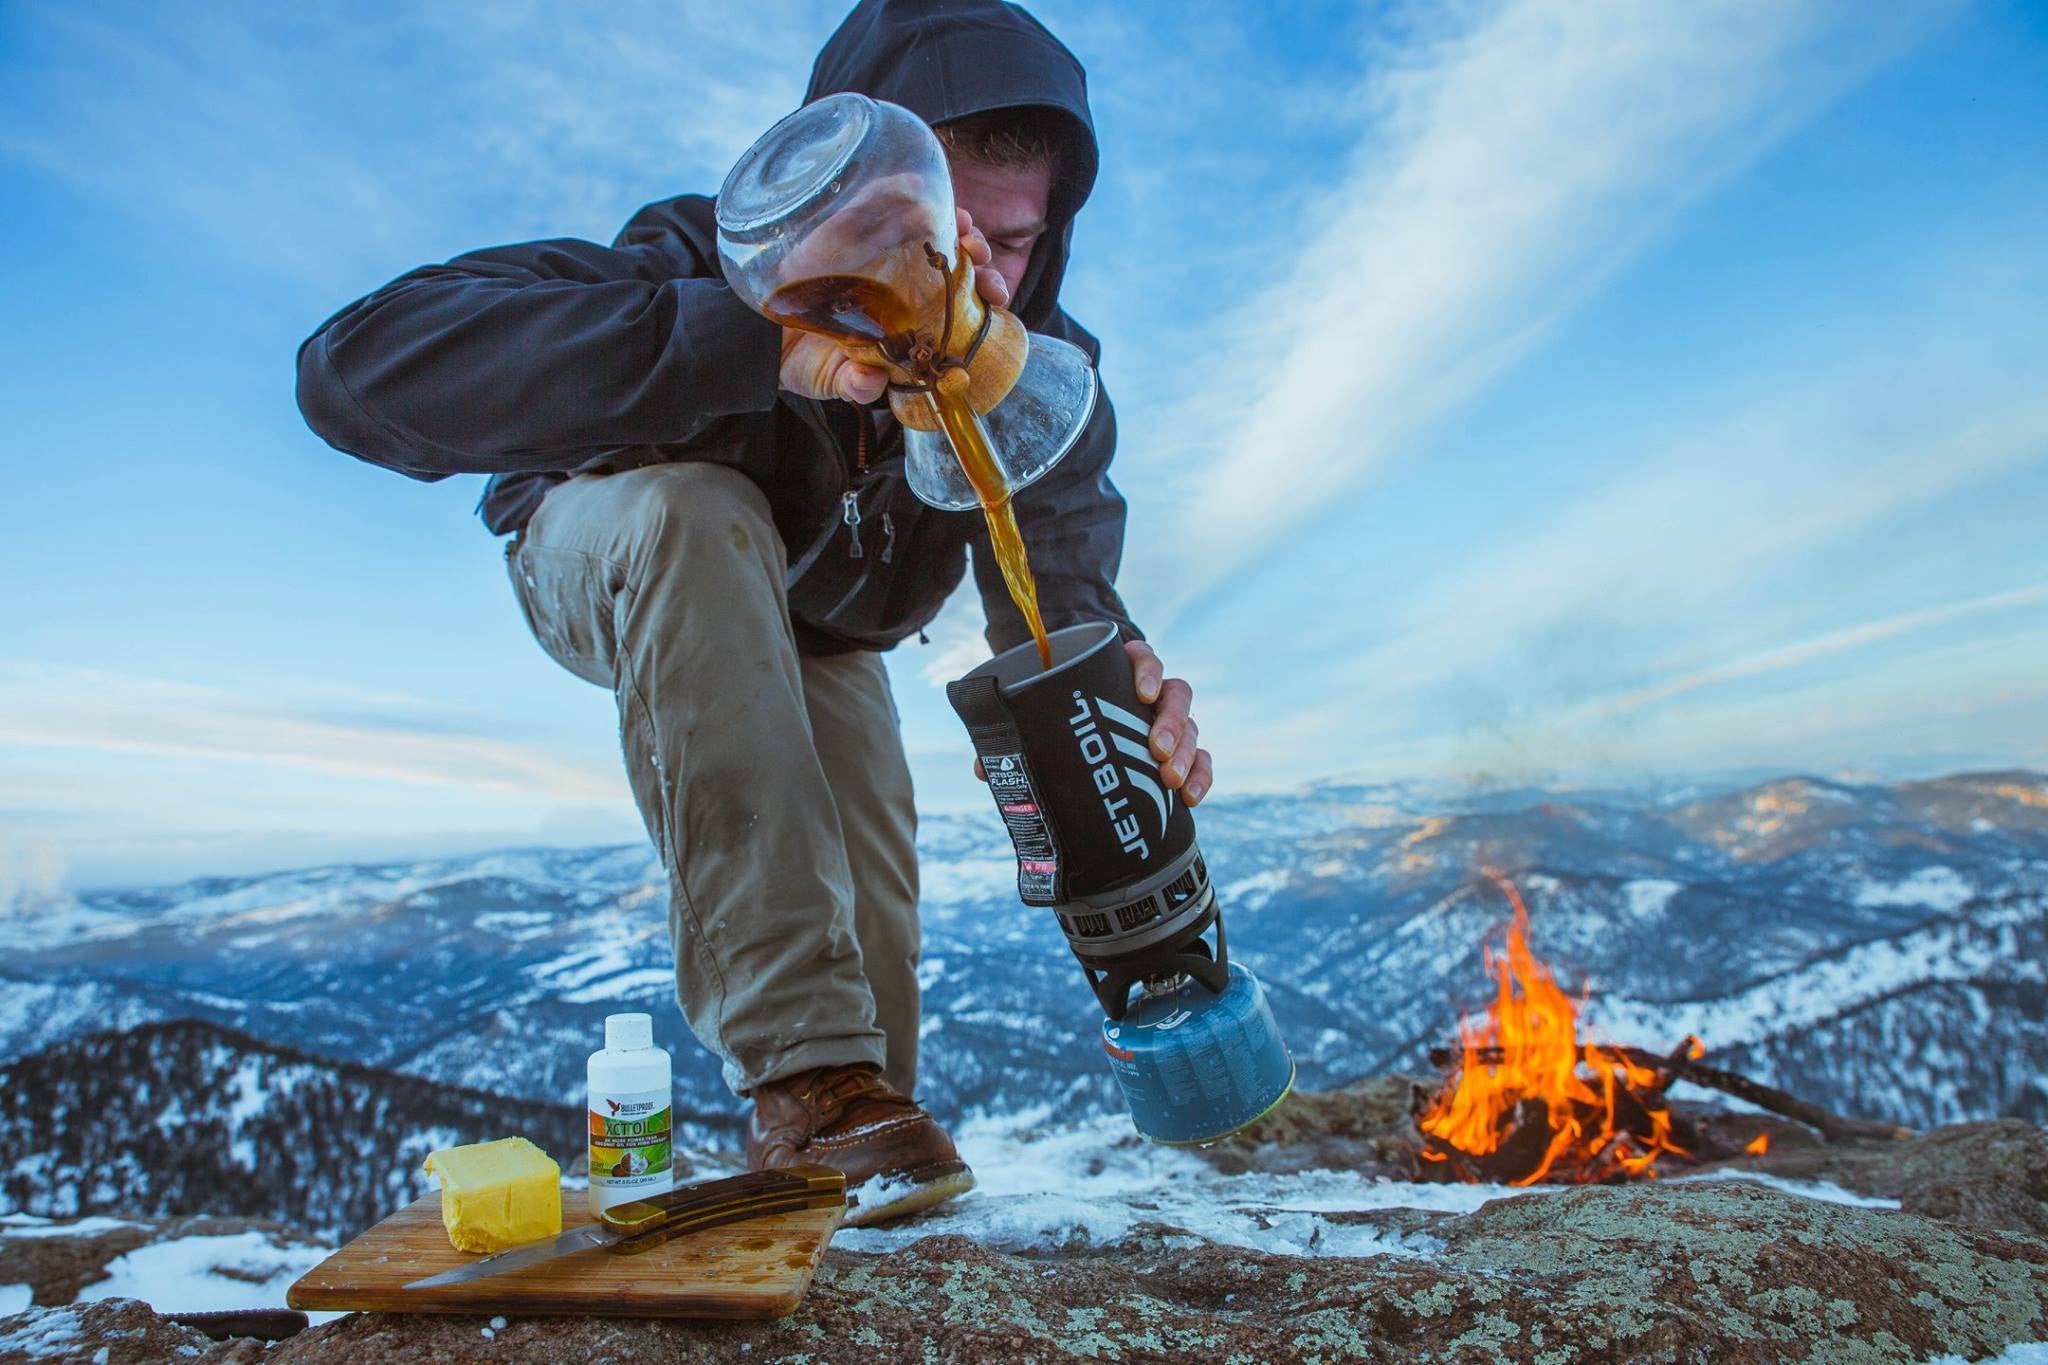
[[1196, 1066]]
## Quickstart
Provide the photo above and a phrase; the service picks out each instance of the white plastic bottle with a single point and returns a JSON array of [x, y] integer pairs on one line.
[[630, 1118]]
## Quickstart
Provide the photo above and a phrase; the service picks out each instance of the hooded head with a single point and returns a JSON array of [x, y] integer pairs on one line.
[[946, 59]]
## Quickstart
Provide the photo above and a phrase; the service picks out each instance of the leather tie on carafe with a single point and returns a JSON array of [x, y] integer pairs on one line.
[[945, 359]]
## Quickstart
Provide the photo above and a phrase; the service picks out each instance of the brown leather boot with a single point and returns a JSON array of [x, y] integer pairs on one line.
[[895, 1158]]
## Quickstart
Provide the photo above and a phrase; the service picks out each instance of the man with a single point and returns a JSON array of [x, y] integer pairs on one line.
[[709, 522]]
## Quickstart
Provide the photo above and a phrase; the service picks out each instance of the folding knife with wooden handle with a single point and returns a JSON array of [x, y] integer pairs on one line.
[[643, 1224]]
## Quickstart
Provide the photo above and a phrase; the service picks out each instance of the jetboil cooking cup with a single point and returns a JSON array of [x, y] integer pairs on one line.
[[1111, 849]]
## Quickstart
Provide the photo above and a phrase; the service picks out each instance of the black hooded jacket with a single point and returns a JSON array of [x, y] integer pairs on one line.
[[534, 362]]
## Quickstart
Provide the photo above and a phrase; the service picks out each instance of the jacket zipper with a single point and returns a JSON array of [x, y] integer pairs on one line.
[[860, 475], [849, 514], [849, 501]]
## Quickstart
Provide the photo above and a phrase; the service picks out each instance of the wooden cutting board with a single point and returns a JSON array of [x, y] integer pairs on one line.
[[756, 1269]]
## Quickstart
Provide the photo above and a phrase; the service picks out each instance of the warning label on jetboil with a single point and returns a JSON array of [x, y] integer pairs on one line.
[[1037, 861]]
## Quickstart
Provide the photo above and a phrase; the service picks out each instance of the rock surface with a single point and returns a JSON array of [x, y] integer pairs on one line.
[[1692, 1270], [112, 1332], [1364, 1126], [1727, 1271]]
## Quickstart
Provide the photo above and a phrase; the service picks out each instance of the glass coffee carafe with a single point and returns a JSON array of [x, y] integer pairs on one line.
[[840, 221]]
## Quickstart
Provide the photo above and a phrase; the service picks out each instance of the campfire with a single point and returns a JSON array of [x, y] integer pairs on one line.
[[1528, 1097]]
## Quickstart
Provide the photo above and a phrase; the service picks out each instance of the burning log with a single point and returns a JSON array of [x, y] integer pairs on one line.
[[1547, 1106], [1680, 1066], [1528, 1099]]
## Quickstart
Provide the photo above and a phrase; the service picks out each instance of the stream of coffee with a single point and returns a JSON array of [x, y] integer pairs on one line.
[[853, 308], [970, 443]]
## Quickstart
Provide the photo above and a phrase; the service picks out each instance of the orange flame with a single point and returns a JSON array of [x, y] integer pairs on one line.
[[1534, 1056], [1759, 1144]]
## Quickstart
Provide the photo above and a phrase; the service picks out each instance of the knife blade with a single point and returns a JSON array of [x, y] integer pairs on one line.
[[643, 1224]]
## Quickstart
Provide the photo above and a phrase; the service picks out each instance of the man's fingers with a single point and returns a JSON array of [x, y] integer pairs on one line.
[[1172, 731], [1186, 750], [970, 237], [860, 383], [1181, 748], [990, 284], [988, 281], [1146, 670], [979, 771], [1200, 778], [817, 368], [1176, 739]]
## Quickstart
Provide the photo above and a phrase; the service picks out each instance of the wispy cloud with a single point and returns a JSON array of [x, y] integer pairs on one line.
[[1826, 645], [1511, 166], [1641, 571], [1721, 511], [1971, 703], [1971, 700], [300, 141], [50, 707]]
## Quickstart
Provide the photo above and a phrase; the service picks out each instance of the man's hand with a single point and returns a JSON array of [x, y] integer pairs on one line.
[[814, 366], [1183, 763]]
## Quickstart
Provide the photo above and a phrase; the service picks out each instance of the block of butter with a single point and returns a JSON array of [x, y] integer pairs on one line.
[[498, 1194]]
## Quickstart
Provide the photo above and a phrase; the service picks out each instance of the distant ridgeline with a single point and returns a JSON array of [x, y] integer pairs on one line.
[[188, 1118], [1878, 949]]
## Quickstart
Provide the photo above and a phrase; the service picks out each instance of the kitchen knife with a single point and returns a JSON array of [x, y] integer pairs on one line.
[[630, 1228]]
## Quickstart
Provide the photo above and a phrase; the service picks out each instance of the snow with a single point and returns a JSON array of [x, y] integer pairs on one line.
[[15, 1298], [1254, 891], [1067, 1186], [517, 926], [1937, 887], [250, 1098], [1096, 1183], [2019, 1353], [1700, 1094], [1824, 1190], [1648, 897], [580, 968], [966, 881], [208, 1274], [1945, 950], [626, 983], [46, 1333], [34, 1015], [284, 899], [217, 1002], [14, 1225]]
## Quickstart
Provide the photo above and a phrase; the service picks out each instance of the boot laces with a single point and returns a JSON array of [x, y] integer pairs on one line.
[[836, 1092]]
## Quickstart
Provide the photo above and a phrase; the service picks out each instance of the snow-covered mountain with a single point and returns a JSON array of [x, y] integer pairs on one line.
[[1879, 949], [187, 1118]]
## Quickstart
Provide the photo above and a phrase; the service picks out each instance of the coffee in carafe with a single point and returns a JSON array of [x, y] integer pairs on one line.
[[840, 221]]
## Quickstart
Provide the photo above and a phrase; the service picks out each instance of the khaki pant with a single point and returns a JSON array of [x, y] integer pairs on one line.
[[773, 785]]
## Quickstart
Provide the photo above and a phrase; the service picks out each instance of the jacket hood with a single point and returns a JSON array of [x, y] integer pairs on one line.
[[946, 59]]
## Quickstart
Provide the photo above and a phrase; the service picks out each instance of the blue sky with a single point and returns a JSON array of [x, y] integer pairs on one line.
[[1540, 389]]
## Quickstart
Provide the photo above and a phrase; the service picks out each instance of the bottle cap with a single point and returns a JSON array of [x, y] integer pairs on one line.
[[623, 1032]]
